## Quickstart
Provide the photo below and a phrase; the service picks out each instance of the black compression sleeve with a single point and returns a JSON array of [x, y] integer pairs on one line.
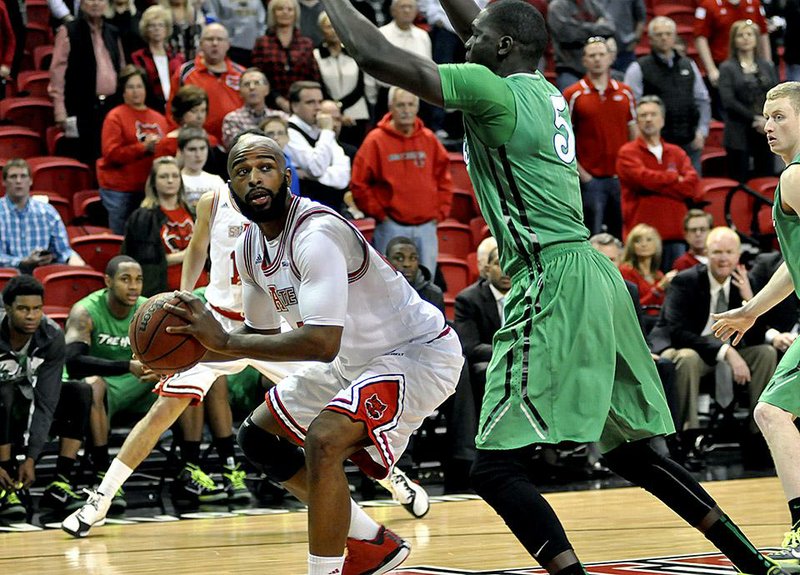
[[80, 364]]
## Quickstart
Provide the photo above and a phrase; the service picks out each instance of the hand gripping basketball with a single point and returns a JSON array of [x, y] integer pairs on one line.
[[200, 323]]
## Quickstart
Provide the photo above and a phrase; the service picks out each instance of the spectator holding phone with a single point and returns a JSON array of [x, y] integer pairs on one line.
[[31, 232]]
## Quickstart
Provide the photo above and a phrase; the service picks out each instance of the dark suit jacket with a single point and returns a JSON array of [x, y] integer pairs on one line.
[[784, 315], [477, 321], [685, 313]]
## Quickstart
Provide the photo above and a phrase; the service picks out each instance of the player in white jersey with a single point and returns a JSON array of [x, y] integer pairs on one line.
[[389, 357]]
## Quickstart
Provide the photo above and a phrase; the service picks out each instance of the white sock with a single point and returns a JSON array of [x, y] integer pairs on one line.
[[116, 475], [325, 565], [362, 526]]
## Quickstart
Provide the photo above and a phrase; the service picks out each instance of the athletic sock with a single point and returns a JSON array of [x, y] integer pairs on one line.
[[116, 475], [362, 526], [325, 565], [794, 509], [727, 537], [65, 467], [190, 452], [225, 450], [100, 458]]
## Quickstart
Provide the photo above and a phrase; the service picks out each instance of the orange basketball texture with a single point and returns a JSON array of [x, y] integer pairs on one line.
[[164, 353]]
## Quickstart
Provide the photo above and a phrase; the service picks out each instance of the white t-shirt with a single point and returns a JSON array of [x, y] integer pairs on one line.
[[196, 186], [162, 65]]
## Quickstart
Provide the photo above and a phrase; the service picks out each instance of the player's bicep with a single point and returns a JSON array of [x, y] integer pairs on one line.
[[323, 288], [790, 189]]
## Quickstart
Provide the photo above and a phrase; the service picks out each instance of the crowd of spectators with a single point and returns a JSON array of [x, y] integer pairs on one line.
[[150, 95]]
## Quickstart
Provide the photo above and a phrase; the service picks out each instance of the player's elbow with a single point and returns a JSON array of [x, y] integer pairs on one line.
[[324, 343]]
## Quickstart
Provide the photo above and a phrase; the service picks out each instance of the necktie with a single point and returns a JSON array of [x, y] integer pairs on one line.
[[501, 305], [722, 302]]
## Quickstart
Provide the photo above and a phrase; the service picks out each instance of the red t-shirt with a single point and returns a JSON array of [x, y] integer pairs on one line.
[[175, 236], [714, 18], [649, 292], [600, 121]]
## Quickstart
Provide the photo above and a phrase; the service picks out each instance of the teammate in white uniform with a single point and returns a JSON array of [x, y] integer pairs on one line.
[[390, 358]]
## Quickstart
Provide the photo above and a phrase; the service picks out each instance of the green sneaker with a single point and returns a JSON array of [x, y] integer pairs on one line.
[[60, 496], [790, 548], [11, 506], [193, 485], [233, 481]]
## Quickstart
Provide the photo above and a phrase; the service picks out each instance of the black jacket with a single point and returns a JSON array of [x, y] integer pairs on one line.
[[38, 378], [477, 320], [143, 243], [427, 290], [785, 314]]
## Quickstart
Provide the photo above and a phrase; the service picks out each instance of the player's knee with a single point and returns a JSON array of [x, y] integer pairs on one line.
[[492, 472], [277, 457], [768, 418]]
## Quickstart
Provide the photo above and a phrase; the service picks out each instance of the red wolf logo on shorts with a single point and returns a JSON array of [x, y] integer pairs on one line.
[[375, 407]]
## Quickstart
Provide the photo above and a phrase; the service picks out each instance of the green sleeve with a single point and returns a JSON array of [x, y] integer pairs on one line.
[[485, 99]]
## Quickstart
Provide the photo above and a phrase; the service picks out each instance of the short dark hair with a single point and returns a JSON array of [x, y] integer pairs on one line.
[[21, 285], [186, 135], [299, 86], [129, 71], [187, 98], [112, 267], [15, 163], [400, 241], [521, 21]]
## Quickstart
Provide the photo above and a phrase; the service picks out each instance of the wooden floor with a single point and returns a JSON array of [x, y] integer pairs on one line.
[[603, 525]]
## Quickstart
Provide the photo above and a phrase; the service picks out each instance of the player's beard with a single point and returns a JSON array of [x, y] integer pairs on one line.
[[273, 212]]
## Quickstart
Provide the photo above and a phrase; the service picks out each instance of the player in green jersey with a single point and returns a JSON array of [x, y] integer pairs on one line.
[[570, 362], [779, 403]]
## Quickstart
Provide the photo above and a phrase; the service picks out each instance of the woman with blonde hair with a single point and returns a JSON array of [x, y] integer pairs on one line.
[[158, 233], [157, 59], [641, 260], [284, 54]]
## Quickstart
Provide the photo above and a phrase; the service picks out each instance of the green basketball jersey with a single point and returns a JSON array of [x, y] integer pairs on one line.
[[787, 226], [109, 334], [520, 154]]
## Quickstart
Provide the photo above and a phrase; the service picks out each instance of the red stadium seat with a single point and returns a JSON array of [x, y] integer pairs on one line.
[[37, 34], [366, 226], [66, 287], [714, 163], [97, 249], [472, 261], [455, 239], [42, 56], [716, 131], [682, 15], [450, 308], [458, 171], [80, 231], [57, 313], [56, 141], [65, 175], [463, 208], [88, 206], [38, 12], [33, 112], [714, 191], [33, 83], [6, 274], [764, 186], [456, 274], [19, 142], [479, 229], [43, 271], [62, 205]]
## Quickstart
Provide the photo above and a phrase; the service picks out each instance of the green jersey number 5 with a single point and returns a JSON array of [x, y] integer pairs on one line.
[[564, 139]]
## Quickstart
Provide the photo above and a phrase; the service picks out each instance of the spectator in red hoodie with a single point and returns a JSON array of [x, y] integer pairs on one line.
[[656, 178], [401, 177], [130, 134]]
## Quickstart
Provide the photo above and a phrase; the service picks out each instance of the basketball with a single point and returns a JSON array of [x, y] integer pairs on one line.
[[164, 353]]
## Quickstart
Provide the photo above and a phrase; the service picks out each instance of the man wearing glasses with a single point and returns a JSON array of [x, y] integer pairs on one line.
[[253, 88]]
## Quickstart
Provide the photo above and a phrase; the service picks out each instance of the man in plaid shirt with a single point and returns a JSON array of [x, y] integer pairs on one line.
[[253, 88], [31, 232]]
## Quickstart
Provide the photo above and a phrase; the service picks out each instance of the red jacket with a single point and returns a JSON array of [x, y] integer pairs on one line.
[[222, 90], [686, 261], [125, 163], [8, 40], [649, 292], [651, 191], [406, 178]]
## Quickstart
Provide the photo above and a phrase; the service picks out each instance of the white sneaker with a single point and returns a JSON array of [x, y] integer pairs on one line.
[[93, 513], [409, 494]]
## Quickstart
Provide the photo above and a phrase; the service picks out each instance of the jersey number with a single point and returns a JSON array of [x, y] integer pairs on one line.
[[564, 144]]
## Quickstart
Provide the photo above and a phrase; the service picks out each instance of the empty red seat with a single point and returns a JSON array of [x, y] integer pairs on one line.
[[65, 175], [38, 12], [66, 287], [714, 163], [57, 313], [716, 132], [366, 226], [6, 274], [19, 142], [62, 205], [38, 34], [479, 229], [463, 208], [458, 171], [42, 56], [764, 186], [455, 239], [714, 191], [88, 206], [97, 249], [79, 231], [456, 274], [33, 112], [33, 82]]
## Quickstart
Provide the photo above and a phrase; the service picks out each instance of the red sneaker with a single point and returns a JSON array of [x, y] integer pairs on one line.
[[377, 556]]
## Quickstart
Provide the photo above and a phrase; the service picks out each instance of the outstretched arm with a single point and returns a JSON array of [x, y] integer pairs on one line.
[[461, 14], [380, 58]]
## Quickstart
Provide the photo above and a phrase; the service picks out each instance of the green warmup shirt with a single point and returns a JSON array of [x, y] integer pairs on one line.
[[109, 334], [787, 226]]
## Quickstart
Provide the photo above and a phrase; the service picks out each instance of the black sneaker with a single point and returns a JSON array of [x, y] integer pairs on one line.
[[234, 484], [11, 506], [193, 485], [60, 496]]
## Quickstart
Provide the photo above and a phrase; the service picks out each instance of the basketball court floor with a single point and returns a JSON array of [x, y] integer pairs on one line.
[[622, 531]]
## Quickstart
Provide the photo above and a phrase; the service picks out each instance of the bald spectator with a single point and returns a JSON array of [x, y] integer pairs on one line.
[[678, 82], [217, 74], [604, 118], [657, 179], [712, 25], [253, 88], [87, 57], [572, 23]]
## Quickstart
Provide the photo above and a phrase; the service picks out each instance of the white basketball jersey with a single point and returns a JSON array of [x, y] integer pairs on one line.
[[321, 271], [227, 224]]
